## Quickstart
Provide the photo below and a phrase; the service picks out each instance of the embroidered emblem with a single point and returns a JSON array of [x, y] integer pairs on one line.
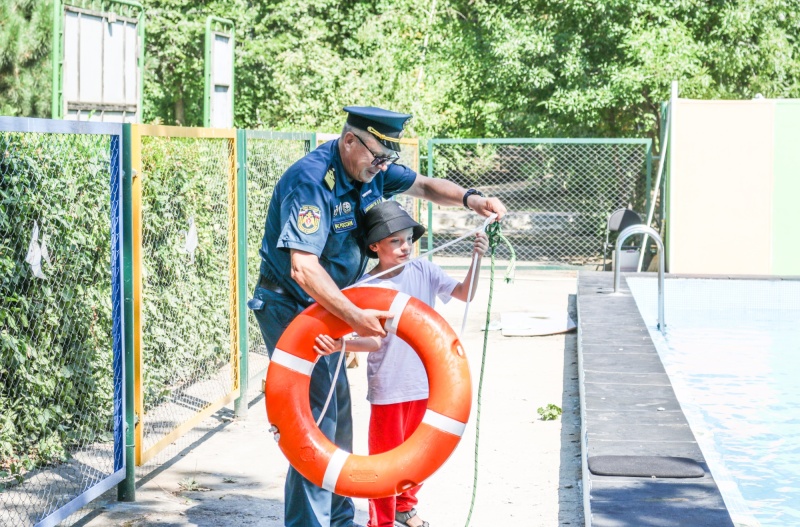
[[308, 219], [330, 179]]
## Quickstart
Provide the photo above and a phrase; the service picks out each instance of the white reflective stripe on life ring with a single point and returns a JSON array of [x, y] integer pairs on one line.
[[292, 362], [396, 309], [335, 467], [444, 423]]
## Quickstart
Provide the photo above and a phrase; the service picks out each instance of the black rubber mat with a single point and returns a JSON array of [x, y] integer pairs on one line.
[[645, 466]]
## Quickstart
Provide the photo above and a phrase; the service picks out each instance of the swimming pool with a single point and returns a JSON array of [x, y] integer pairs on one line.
[[732, 352]]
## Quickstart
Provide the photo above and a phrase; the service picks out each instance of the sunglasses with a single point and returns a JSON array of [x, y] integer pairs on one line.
[[380, 160]]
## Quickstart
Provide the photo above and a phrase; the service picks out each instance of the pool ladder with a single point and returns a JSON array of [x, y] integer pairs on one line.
[[624, 235]]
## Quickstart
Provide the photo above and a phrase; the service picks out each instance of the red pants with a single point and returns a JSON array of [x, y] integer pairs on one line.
[[389, 426]]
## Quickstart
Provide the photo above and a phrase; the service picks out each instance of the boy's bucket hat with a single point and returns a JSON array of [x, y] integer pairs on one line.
[[385, 219]]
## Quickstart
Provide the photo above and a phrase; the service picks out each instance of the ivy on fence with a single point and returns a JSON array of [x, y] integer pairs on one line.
[[55, 333]]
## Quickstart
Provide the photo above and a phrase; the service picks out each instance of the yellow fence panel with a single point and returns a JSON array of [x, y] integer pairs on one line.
[[186, 349]]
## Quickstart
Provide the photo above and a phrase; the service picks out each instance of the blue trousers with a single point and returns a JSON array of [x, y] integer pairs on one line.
[[307, 505]]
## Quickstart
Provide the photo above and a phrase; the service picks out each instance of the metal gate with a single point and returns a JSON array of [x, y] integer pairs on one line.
[[61, 312]]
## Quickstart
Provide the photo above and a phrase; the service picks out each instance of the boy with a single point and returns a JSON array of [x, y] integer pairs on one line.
[[397, 382]]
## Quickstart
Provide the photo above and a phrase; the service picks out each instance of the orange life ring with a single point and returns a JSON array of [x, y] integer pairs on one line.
[[388, 473]]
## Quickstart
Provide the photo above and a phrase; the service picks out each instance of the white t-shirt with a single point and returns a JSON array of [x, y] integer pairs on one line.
[[395, 373]]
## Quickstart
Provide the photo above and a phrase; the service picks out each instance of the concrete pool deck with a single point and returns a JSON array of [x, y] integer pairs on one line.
[[629, 408], [232, 474]]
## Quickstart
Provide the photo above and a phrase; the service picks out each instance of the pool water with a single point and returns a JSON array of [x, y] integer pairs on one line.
[[732, 352]]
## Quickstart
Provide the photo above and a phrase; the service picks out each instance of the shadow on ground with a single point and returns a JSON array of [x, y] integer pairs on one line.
[[570, 494]]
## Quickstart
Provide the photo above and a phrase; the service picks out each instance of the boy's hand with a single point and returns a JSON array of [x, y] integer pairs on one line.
[[481, 243], [327, 345]]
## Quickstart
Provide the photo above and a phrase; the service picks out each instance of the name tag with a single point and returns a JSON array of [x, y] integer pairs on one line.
[[344, 224]]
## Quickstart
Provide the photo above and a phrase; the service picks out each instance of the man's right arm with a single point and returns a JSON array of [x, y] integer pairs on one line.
[[315, 280]]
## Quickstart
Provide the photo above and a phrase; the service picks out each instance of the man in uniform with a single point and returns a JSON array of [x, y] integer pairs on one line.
[[313, 247]]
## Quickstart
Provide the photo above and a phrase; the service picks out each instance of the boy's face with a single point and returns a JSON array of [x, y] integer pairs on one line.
[[395, 248]]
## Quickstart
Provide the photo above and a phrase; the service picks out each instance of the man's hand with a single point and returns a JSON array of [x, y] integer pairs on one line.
[[368, 322], [487, 206]]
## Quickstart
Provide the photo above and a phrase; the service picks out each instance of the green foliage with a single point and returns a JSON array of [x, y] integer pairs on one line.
[[470, 68], [186, 310], [25, 44], [549, 412], [55, 334]]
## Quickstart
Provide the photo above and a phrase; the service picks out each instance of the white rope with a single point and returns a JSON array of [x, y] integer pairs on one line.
[[333, 383], [469, 294]]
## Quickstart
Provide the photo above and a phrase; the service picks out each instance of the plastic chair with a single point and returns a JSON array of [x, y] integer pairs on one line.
[[618, 221]]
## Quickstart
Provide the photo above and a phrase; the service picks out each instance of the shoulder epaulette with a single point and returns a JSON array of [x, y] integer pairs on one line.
[[330, 179]]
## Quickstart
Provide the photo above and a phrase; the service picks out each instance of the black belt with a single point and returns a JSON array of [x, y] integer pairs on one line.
[[269, 285]]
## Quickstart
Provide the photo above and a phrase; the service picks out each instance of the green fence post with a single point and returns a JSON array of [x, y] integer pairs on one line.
[[649, 182], [207, 87], [430, 205], [240, 406], [126, 490], [56, 53]]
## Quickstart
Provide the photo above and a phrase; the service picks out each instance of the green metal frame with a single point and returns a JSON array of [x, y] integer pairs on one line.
[[57, 52], [240, 405], [288, 136], [126, 491], [212, 23], [666, 156], [528, 140]]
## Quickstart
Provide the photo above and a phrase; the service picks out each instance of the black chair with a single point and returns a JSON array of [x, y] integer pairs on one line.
[[618, 221]]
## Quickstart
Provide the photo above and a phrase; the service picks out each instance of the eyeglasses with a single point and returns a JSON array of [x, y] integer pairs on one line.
[[380, 160]]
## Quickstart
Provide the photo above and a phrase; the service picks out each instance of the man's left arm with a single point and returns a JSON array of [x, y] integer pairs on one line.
[[448, 194]]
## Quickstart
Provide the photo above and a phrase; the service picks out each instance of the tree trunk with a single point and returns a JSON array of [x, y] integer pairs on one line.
[[180, 111]]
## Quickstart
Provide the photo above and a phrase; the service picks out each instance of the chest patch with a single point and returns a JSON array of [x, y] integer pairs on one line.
[[308, 219], [344, 224]]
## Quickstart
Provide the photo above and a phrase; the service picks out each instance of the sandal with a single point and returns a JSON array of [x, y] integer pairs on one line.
[[401, 518]]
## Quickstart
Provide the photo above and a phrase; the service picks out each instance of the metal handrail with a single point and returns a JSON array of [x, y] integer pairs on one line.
[[624, 235]]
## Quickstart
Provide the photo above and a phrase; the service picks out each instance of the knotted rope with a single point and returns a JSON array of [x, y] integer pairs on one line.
[[495, 234]]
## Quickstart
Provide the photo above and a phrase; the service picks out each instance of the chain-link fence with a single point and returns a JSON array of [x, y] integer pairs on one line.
[[184, 204], [268, 155], [61, 373], [559, 194]]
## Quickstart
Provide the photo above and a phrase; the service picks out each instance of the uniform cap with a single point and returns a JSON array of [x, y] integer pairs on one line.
[[385, 125], [385, 219]]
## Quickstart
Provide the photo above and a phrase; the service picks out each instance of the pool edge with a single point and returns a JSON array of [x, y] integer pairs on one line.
[[612, 328]]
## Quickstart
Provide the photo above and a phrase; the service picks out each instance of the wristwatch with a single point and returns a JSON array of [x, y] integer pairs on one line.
[[469, 193]]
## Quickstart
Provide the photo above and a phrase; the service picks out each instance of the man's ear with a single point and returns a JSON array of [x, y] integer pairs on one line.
[[349, 139], [373, 247]]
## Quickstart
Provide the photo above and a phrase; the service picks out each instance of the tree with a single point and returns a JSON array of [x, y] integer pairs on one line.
[[464, 68], [25, 43]]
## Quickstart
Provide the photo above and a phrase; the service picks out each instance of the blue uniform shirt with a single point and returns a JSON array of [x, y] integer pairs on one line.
[[316, 208]]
